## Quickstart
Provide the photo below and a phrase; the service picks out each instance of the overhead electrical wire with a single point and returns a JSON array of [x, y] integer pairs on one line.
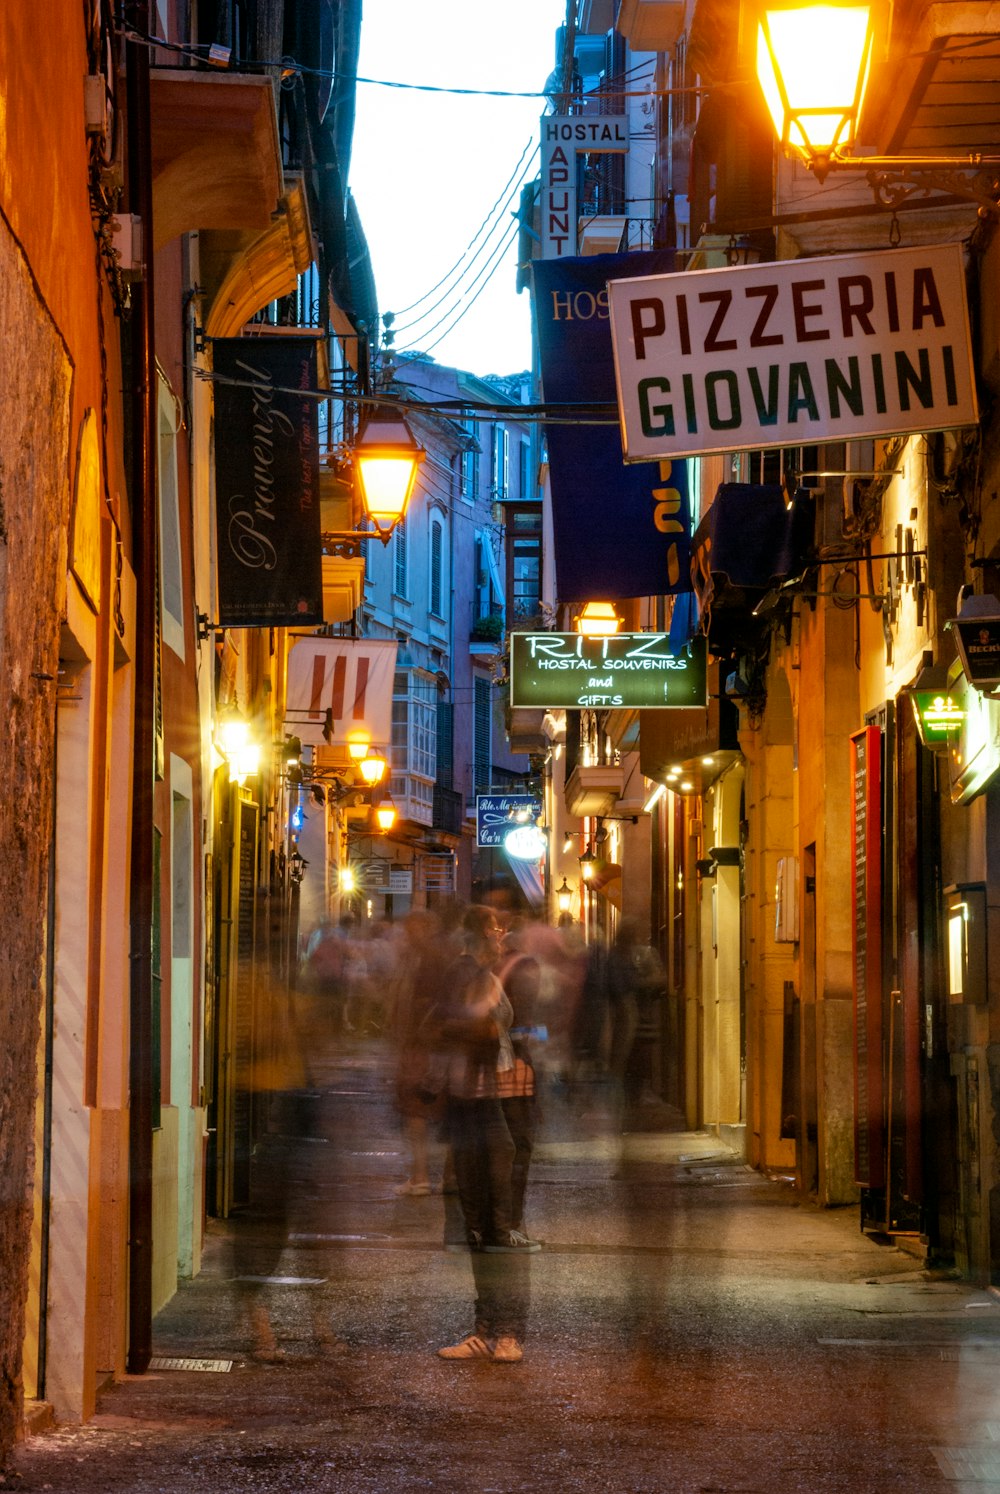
[[498, 258], [290, 65], [405, 311], [582, 413], [497, 227]]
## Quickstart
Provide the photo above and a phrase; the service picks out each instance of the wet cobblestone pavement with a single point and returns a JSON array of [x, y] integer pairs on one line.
[[695, 1329]]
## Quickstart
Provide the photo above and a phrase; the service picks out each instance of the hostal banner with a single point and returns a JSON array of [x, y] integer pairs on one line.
[[267, 483], [794, 353], [619, 532]]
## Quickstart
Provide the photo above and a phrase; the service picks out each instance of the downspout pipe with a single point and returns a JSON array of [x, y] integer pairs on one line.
[[143, 397]]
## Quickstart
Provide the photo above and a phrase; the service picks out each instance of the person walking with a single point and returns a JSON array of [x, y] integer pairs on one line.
[[519, 973], [474, 1032]]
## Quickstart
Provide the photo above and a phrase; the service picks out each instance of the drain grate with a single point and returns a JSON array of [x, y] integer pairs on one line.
[[212, 1366]]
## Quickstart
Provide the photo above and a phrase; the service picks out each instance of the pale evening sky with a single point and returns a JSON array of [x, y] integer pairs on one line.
[[436, 175]]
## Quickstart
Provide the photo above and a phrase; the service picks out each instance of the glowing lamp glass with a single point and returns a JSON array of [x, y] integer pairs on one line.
[[372, 766], [812, 66], [385, 814], [358, 743], [386, 459], [598, 620]]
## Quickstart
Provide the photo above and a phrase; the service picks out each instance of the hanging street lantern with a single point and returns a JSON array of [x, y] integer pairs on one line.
[[386, 459], [813, 63]]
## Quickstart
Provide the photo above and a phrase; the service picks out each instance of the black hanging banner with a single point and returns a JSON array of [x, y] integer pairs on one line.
[[267, 483]]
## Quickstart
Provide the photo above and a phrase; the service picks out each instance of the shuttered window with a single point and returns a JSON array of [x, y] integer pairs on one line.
[[482, 759], [437, 568]]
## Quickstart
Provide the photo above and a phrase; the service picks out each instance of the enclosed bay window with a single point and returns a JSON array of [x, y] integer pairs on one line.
[[414, 743]]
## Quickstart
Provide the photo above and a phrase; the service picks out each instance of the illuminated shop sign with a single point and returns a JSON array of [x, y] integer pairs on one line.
[[978, 642], [974, 744], [497, 815], [794, 353], [628, 670], [937, 715]]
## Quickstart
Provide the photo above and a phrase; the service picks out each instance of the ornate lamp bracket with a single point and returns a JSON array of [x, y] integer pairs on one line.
[[892, 187]]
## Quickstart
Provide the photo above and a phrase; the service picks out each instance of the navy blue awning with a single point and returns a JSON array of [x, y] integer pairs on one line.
[[750, 541]]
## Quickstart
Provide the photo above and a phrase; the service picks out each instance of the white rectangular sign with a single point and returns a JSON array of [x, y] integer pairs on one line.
[[793, 353], [337, 686], [563, 136]]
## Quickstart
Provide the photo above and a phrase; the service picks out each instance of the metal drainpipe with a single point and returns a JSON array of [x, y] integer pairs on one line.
[[41, 1369], [143, 495]]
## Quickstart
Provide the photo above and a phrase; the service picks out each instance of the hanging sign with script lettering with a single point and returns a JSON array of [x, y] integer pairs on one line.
[[267, 482], [793, 353]]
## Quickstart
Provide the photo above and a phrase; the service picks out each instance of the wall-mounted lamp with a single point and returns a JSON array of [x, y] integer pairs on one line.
[[233, 739], [813, 66], [296, 867], [587, 863], [372, 766], [386, 458], [564, 897], [598, 620], [358, 743], [385, 814]]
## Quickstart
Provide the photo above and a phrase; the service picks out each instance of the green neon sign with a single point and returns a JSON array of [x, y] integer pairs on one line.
[[938, 714], [564, 671]]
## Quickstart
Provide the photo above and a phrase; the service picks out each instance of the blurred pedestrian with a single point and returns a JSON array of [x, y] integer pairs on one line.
[[634, 972], [293, 1037], [423, 957], [474, 1023], [519, 974]]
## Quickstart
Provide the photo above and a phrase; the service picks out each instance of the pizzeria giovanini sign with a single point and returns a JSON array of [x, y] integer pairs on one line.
[[567, 671], [793, 353]]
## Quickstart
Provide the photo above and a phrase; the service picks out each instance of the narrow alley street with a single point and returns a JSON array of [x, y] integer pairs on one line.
[[695, 1329]]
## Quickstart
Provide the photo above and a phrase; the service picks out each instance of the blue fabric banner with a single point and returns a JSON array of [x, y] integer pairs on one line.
[[619, 531]]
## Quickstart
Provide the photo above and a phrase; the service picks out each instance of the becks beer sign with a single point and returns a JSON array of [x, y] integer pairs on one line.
[[793, 353]]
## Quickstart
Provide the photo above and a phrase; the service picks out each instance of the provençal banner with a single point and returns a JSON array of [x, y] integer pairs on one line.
[[793, 353], [267, 510], [631, 670]]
